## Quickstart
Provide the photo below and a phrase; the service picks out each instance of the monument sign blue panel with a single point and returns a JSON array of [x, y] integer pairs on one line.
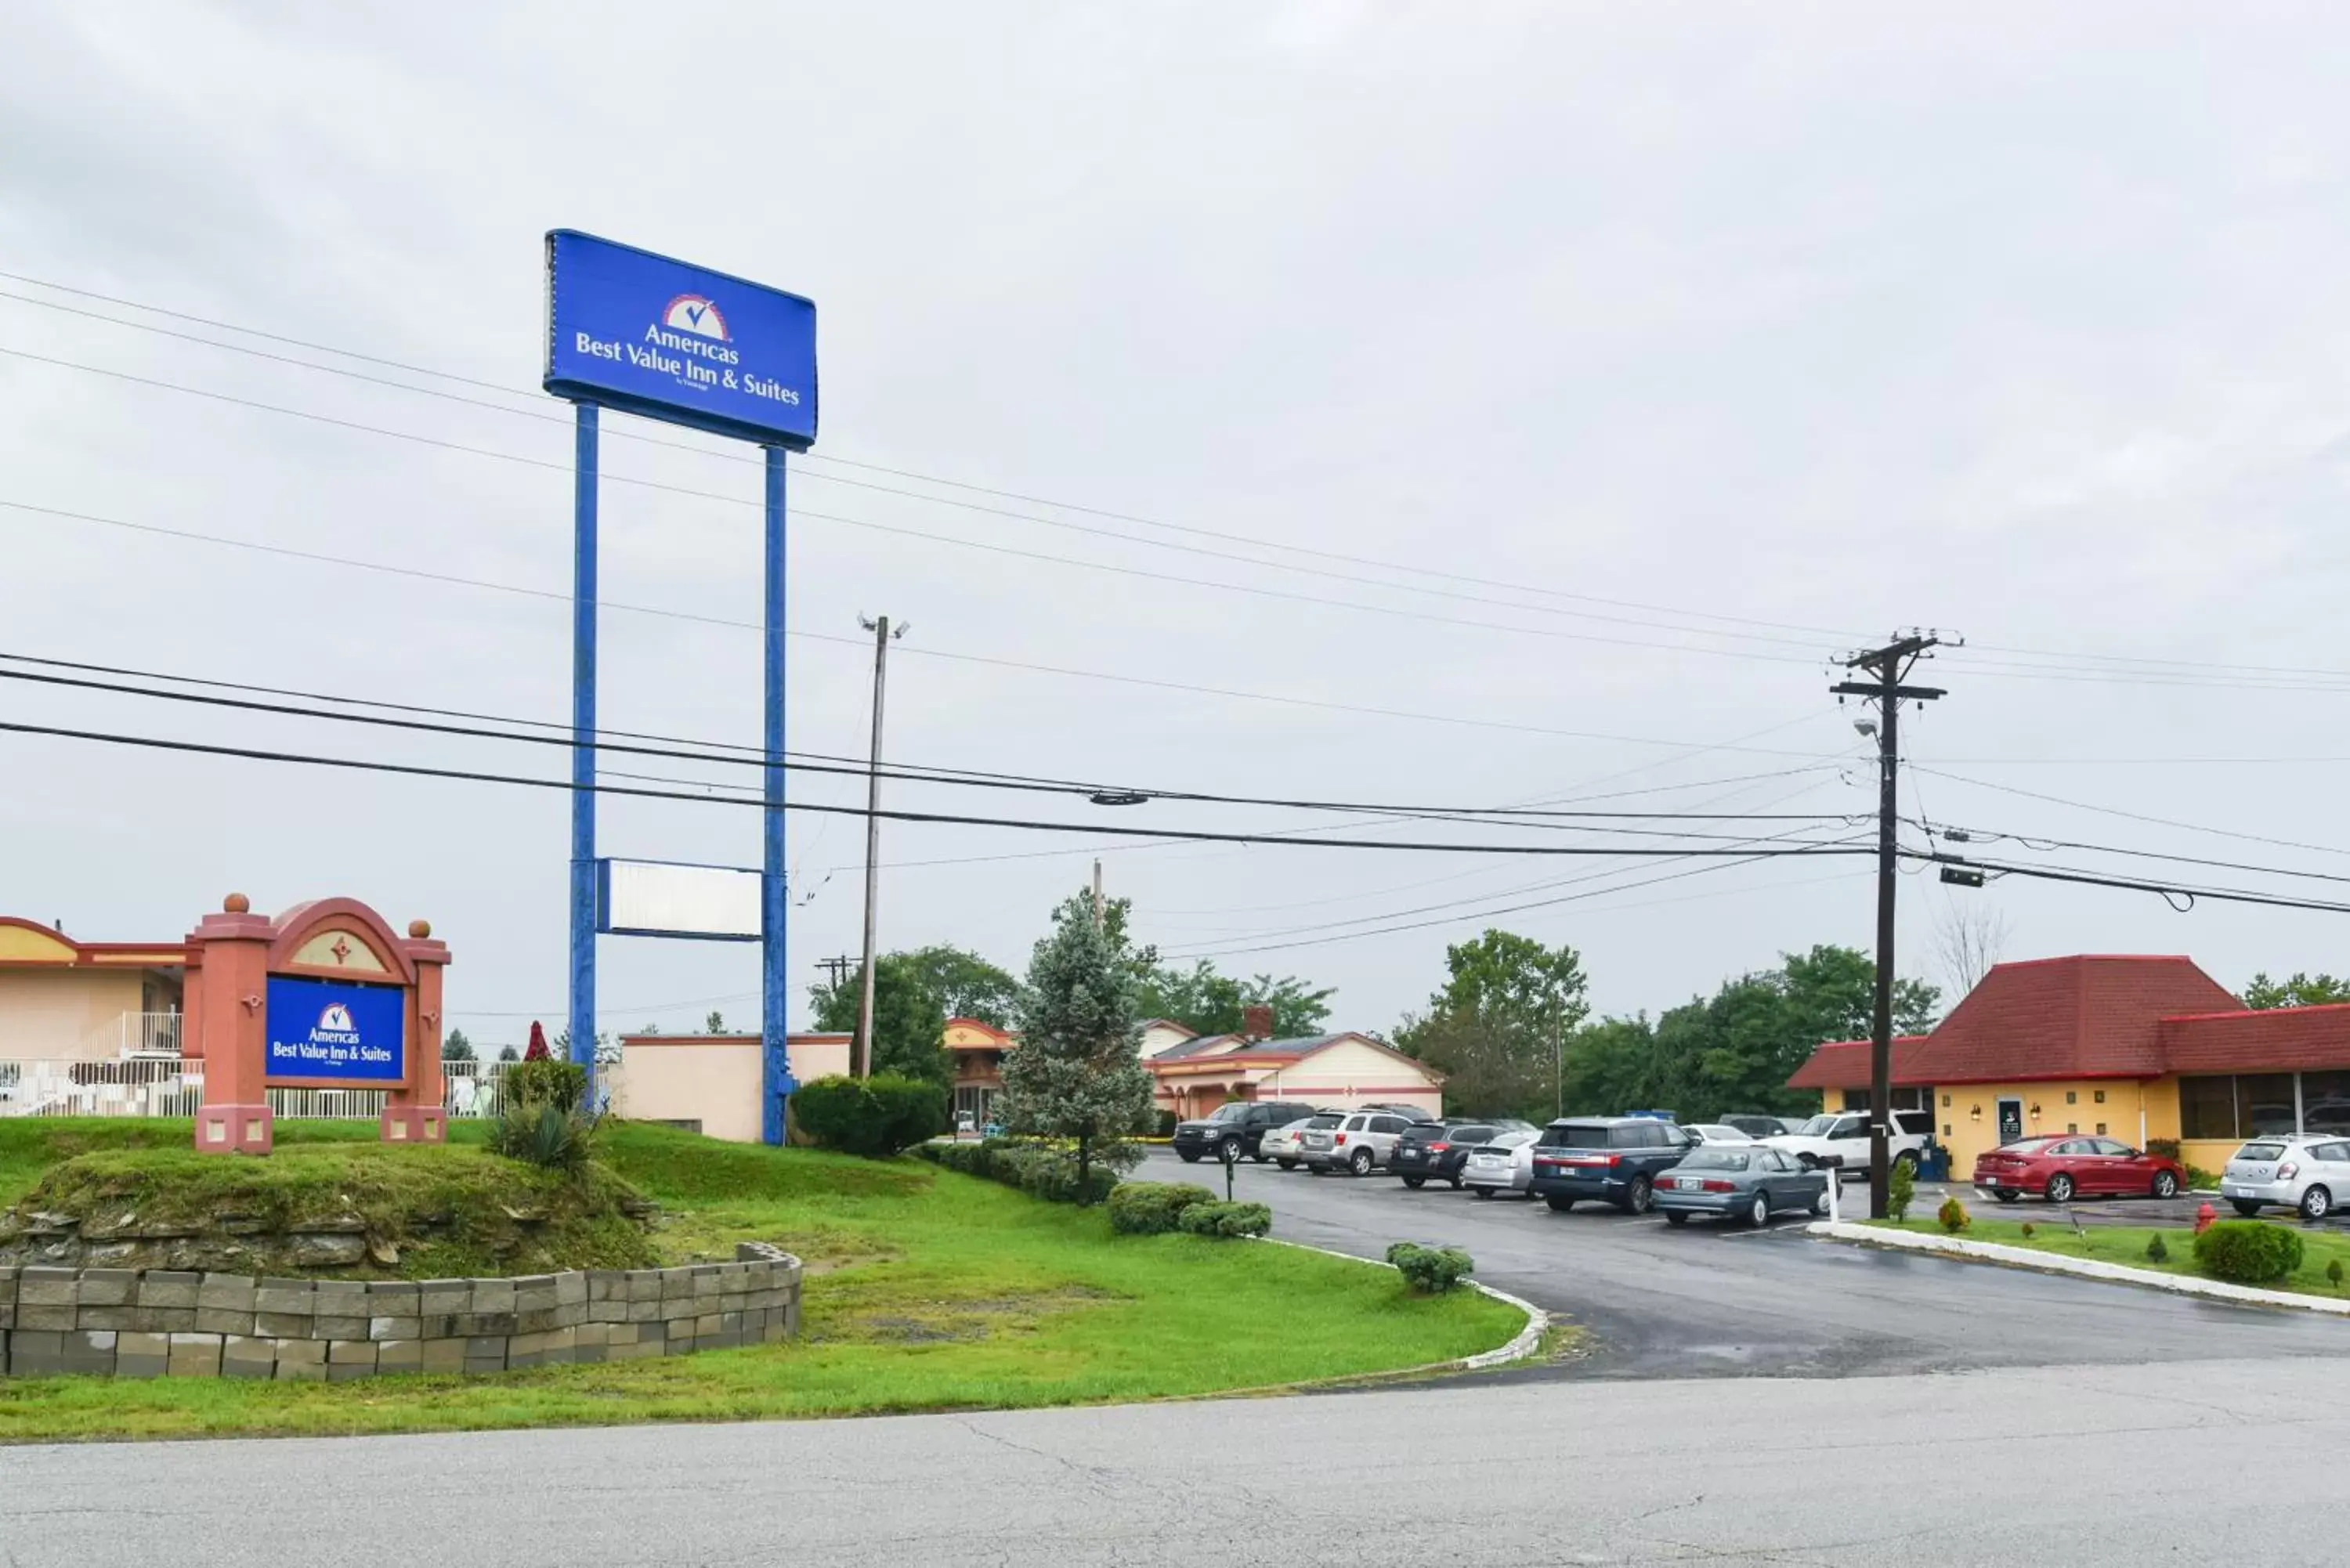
[[339, 1030], [677, 342]]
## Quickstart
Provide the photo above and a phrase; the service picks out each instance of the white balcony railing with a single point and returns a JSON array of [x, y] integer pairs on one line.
[[167, 1086], [149, 1034]]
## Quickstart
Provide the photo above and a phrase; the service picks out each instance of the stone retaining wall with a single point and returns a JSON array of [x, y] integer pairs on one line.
[[152, 1322]]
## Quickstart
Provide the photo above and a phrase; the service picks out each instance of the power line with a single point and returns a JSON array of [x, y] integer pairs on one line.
[[2132, 815], [1197, 834], [2169, 890], [1405, 567], [966, 778], [554, 596], [802, 512]]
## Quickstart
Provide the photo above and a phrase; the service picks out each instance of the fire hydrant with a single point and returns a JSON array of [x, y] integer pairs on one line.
[[2204, 1216]]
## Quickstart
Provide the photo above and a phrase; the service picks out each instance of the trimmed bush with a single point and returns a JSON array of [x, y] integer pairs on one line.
[[2030, 1230], [1901, 1189], [1152, 1208], [2162, 1147], [1164, 1122], [547, 1081], [2333, 1274], [2157, 1250], [876, 1117], [1215, 1218], [2248, 1251], [1952, 1216], [1431, 1269], [1040, 1169]]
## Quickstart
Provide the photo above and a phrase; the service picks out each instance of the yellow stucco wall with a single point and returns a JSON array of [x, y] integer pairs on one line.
[[64, 1014], [1966, 1135]]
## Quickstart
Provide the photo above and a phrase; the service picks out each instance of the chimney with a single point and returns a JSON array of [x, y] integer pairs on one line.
[[1256, 1024]]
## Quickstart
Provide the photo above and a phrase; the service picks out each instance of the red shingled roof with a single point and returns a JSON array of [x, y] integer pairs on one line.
[[2087, 1016], [1844, 1065], [2278, 1040]]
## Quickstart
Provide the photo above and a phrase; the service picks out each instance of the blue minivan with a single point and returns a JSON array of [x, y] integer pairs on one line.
[[1612, 1159]]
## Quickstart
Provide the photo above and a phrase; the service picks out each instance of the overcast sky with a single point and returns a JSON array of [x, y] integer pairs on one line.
[[2022, 322]]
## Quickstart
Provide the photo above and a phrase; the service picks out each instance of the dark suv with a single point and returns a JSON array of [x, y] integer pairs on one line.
[[1242, 1124], [1615, 1160], [1439, 1149]]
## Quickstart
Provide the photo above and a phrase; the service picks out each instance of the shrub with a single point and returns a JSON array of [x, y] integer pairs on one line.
[[1040, 1169], [2333, 1274], [2200, 1179], [1431, 1269], [2030, 1230], [547, 1081], [1215, 1218], [1901, 1189], [1164, 1122], [2248, 1251], [1153, 1207], [538, 1132], [2162, 1147], [2156, 1250], [877, 1116], [1952, 1216]]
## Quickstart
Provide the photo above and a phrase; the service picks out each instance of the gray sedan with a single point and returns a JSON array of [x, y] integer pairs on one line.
[[1504, 1165], [1734, 1182]]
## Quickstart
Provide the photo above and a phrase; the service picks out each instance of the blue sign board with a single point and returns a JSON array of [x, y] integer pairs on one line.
[[339, 1030], [676, 342]]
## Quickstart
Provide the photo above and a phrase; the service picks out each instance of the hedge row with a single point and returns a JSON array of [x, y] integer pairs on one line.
[[1153, 1207], [1042, 1170], [1228, 1219], [875, 1116]]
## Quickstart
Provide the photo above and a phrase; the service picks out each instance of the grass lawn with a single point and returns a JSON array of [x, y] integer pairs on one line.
[[926, 1290], [2126, 1244]]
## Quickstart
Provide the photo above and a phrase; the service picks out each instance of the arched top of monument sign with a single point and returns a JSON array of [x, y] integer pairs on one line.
[[339, 937]]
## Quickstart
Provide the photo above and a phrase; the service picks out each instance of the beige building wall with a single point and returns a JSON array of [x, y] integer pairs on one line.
[[713, 1080], [66, 1013], [1353, 1073]]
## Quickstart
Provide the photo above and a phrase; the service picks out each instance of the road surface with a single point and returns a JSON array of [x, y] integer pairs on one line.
[[2191, 1462], [1706, 1302]]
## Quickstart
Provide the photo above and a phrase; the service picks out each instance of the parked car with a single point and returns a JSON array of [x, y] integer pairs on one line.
[[1615, 1159], [2311, 1174], [1734, 1182], [1844, 1134], [1717, 1132], [1504, 1165], [1242, 1124], [1439, 1149], [2066, 1165], [1755, 1125], [1358, 1143], [1281, 1145]]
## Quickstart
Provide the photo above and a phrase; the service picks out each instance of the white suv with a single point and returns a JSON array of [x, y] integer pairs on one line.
[[1844, 1134], [2311, 1174], [1360, 1143]]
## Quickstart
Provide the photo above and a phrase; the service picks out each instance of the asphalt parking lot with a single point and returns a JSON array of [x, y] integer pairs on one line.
[[1708, 1301]]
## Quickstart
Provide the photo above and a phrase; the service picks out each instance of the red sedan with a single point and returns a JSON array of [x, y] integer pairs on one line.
[[2062, 1169]]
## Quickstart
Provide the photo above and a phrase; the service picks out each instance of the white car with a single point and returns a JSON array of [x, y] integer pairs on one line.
[[1844, 1135], [1504, 1165], [1717, 1132], [2311, 1174], [1281, 1146]]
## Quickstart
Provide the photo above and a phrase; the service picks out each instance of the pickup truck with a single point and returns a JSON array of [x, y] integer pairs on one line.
[[1844, 1134]]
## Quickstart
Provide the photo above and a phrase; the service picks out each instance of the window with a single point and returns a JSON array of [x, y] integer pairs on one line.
[[2074, 1145], [2101, 1096], [2325, 1103], [2072, 1097], [2112, 1149], [1388, 1124], [1851, 1127], [1574, 1134], [2101, 1126], [2072, 1127], [2264, 1101], [1946, 1102], [2332, 1153], [2206, 1107], [1718, 1159]]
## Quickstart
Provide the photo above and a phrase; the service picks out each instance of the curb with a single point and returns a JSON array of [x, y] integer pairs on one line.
[[1517, 1349], [2085, 1268]]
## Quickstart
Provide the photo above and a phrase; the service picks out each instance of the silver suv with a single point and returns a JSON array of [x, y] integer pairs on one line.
[[1359, 1144], [2311, 1174]]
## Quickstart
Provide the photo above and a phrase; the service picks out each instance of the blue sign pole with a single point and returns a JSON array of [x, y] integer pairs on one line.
[[583, 749], [775, 1072]]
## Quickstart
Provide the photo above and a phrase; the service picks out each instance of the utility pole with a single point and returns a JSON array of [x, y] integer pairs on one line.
[[1887, 664], [882, 636], [1099, 915], [836, 970]]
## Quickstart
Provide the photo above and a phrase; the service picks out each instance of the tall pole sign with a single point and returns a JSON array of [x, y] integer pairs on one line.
[[651, 335]]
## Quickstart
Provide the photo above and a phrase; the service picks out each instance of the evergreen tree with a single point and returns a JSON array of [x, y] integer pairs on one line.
[[1076, 1073]]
